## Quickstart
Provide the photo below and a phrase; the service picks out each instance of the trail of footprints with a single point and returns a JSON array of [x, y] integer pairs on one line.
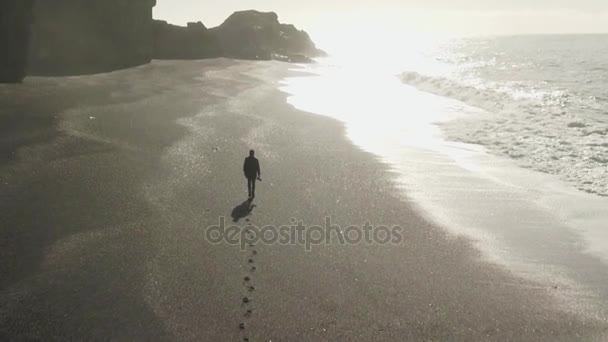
[[248, 285]]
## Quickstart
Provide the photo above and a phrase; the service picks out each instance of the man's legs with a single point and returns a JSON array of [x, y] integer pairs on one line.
[[251, 187]]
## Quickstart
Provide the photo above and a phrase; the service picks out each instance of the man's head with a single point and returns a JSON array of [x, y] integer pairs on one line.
[[251, 153]]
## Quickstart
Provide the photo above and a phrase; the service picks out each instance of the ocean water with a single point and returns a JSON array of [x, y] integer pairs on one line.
[[503, 140], [543, 100]]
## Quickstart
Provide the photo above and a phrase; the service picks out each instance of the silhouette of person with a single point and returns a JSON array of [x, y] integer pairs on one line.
[[251, 168]]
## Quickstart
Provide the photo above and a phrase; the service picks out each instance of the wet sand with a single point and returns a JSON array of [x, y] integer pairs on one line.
[[109, 181]]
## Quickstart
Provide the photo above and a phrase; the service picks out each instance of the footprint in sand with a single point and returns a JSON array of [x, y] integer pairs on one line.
[[247, 280]]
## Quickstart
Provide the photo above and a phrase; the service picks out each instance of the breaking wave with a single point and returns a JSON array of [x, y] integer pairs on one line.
[[553, 131]]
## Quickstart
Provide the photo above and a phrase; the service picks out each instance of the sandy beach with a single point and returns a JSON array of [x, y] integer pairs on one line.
[[108, 183]]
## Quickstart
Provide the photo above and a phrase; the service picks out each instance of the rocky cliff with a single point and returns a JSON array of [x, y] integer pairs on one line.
[[15, 21], [177, 42], [245, 35], [260, 35], [71, 37]]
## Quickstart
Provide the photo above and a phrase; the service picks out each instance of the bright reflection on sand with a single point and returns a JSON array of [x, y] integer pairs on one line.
[[370, 104], [364, 91]]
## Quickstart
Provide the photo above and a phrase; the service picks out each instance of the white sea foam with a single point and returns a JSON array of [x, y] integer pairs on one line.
[[546, 106]]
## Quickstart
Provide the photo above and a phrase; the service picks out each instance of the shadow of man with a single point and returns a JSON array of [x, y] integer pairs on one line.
[[242, 210]]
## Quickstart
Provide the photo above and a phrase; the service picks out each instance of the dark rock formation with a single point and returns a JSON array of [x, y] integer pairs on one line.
[[178, 42], [15, 21], [245, 35], [71, 37], [258, 35], [296, 42]]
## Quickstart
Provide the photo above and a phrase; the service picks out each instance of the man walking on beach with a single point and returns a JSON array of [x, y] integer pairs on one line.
[[251, 168]]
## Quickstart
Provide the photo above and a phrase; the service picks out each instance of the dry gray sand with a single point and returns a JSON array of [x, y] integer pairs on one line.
[[108, 182]]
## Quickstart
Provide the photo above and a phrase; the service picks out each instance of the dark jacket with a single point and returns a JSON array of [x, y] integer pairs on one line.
[[251, 167]]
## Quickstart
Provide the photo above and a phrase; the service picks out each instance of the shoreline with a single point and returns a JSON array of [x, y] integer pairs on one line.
[[147, 178], [543, 233]]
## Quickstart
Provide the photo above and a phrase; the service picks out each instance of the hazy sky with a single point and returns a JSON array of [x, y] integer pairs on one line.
[[322, 17]]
